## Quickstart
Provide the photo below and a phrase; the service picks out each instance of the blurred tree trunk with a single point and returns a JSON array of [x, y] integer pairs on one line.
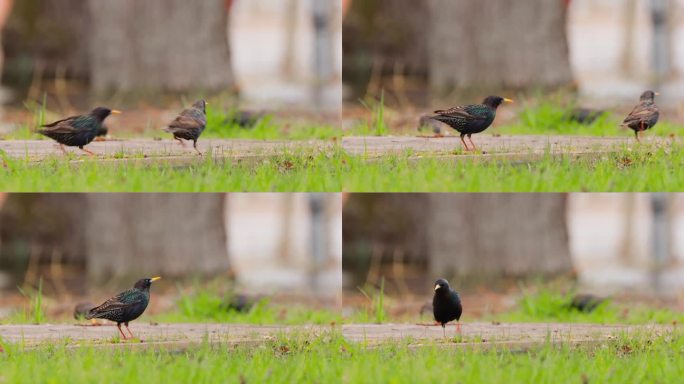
[[495, 235], [135, 235], [160, 45], [478, 45]]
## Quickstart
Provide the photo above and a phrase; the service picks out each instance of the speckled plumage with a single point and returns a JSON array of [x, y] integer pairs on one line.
[[190, 124], [446, 304], [77, 131], [469, 119], [126, 306], [644, 116]]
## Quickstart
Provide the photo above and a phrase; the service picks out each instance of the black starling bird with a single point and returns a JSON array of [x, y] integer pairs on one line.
[[644, 116], [586, 302], [126, 306], [586, 116], [77, 131], [446, 305], [190, 124], [469, 119], [245, 119], [81, 310]]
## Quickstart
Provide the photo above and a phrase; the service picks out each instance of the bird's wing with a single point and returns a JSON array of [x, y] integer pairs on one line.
[[115, 303], [461, 111], [68, 120], [62, 126], [188, 119], [640, 112]]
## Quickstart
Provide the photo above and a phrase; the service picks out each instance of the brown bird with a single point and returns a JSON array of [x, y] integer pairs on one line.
[[190, 124], [644, 116]]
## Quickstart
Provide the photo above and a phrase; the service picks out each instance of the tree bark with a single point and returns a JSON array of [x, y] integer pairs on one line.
[[498, 235], [477, 45], [159, 45], [136, 235]]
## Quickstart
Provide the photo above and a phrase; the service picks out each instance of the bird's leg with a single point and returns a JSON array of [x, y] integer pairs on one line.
[[464, 143], [458, 328], [129, 331], [181, 142], [118, 325], [444, 330], [61, 146], [194, 145], [471, 142], [90, 153]]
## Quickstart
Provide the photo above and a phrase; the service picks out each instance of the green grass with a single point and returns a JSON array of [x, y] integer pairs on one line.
[[209, 306], [543, 115], [550, 117], [375, 311], [549, 305], [220, 125], [330, 359], [302, 170], [34, 312], [645, 169]]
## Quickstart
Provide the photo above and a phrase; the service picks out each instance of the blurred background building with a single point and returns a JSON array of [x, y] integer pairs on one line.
[[609, 242], [266, 243], [419, 53]]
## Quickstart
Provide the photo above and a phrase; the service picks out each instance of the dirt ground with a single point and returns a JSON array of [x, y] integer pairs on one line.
[[487, 335], [142, 149], [180, 336], [492, 145]]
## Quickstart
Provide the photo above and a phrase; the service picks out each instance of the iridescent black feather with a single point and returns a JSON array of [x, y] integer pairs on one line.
[[469, 119], [126, 306], [446, 304], [77, 131]]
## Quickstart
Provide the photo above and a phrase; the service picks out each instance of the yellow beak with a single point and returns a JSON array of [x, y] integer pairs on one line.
[[436, 287], [115, 112], [507, 100], [155, 279]]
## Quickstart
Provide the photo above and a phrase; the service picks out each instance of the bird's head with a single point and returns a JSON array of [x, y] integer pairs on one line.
[[495, 101], [144, 284], [201, 105], [648, 96], [101, 113], [441, 285]]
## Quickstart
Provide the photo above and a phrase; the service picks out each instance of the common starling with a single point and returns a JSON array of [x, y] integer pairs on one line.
[[245, 119], [190, 124], [240, 302], [126, 306], [446, 305], [469, 119], [77, 131], [427, 122], [644, 116], [81, 310], [586, 302], [586, 116]]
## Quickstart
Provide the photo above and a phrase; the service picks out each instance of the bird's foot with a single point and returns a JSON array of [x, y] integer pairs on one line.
[[90, 153]]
